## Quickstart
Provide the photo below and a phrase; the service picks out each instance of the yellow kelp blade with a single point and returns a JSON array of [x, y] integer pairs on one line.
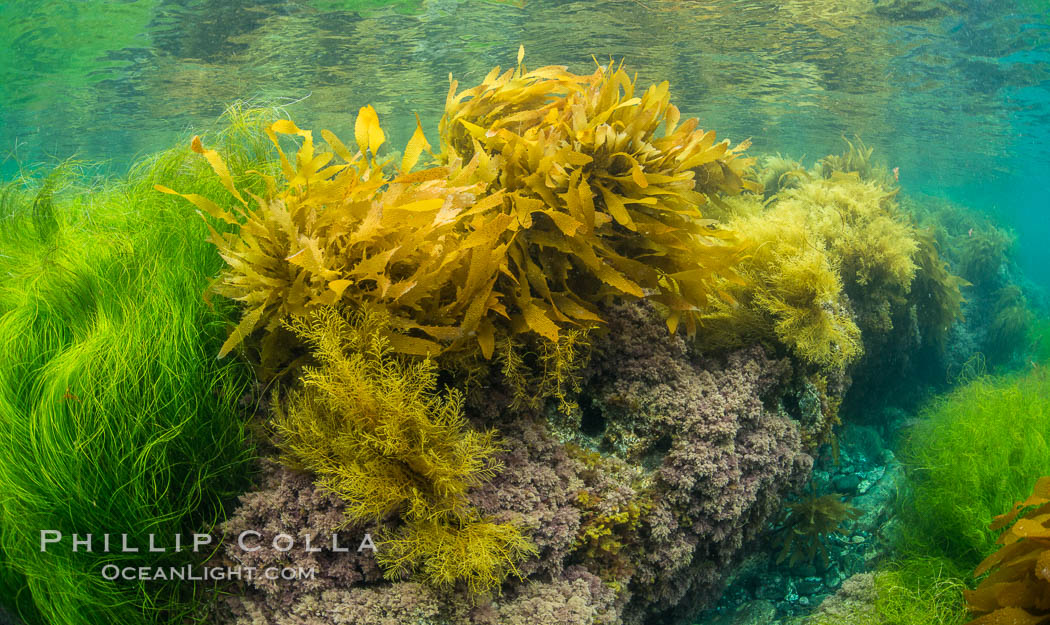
[[415, 147], [218, 166], [202, 203], [282, 126], [367, 131], [248, 323]]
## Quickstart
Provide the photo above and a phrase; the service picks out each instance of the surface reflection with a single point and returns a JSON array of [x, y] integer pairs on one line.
[[939, 87]]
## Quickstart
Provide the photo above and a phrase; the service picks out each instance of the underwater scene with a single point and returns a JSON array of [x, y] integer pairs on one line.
[[525, 312]]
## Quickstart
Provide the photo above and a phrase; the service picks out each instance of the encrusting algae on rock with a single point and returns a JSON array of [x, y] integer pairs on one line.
[[529, 363]]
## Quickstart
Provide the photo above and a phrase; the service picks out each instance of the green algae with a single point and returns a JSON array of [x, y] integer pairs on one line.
[[111, 399], [972, 453]]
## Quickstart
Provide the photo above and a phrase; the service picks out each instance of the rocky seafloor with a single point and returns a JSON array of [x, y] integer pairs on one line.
[[867, 475]]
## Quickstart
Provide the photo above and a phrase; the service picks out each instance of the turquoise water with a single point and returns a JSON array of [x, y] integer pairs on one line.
[[894, 419], [955, 93]]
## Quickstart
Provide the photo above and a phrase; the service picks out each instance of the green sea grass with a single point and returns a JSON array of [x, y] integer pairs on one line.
[[973, 453], [115, 415]]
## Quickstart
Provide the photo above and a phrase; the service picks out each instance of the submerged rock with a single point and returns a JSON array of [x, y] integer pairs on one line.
[[7, 619], [853, 604], [641, 519], [874, 473], [758, 612]]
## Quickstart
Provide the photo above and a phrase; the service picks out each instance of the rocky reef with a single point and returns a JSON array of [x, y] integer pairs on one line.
[[625, 536], [574, 366]]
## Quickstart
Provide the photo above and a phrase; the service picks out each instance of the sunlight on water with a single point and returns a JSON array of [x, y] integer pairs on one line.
[[952, 92], [572, 359]]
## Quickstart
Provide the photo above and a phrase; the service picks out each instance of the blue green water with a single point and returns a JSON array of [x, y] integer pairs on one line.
[[953, 92]]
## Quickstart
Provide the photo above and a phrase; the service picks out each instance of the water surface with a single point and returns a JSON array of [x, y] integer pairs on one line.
[[955, 93]]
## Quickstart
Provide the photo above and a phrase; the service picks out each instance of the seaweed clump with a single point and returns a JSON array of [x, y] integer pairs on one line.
[[779, 172], [830, 261], [1011, 323], [856, 160], [937, 291], [114, 414], [584, 163], [938, 453], [553, 192], [373, 429], [983, 253], [343, 231], [999, 309], [807, 523], [1018, 589], [793, 294], [873, 242]]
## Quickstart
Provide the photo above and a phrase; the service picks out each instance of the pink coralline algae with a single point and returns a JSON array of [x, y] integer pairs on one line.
[[287, 502], [679, 466], [537, 487], [726, 455], [575, 599]]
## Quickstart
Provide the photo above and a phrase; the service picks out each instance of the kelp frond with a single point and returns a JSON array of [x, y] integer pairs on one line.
[[808, 522], [554, 192], [339, 229], [606, 185], [1018, 588]]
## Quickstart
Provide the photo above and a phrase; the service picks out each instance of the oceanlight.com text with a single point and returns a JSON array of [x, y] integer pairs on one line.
[[113, 572]]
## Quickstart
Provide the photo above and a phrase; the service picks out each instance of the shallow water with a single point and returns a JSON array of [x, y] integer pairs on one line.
[[952, 92]]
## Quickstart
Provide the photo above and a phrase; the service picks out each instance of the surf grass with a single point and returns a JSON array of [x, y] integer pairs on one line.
[[973, 453], [115, 414], [920, 591]]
